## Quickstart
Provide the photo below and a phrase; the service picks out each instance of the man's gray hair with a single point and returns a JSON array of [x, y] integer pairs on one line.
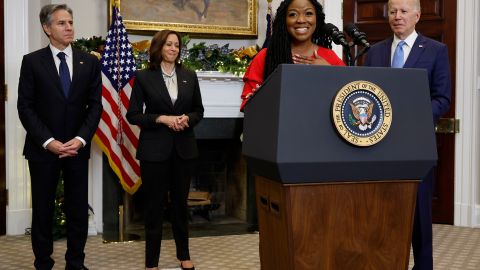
[[48, 10], [416, 5]]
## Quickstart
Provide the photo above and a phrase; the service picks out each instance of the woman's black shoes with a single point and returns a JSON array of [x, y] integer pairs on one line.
[[183, 268]]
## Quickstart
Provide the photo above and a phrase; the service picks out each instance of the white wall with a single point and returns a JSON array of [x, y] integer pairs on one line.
[[18, 184], [467, 154], [90, 16]]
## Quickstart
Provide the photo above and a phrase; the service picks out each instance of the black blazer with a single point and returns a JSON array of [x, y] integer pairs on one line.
[[44, 110], [156, 140]]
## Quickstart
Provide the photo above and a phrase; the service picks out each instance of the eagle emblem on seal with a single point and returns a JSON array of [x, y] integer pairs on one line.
[[363, 117]]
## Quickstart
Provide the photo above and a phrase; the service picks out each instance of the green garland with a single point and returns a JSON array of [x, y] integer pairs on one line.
[[94, 44], [206, 58], [199, 57]]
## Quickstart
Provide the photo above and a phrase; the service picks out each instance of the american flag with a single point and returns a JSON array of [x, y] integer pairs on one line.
[[117, 139]]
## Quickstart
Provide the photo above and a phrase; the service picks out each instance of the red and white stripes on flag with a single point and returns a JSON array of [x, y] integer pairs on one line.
[[118, 139]]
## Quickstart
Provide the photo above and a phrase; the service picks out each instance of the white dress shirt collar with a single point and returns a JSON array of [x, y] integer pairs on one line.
[[410, 40], [407, 48], [67, 51], [68, 58]]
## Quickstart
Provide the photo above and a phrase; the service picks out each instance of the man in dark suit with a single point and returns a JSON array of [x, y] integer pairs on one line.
[[408, 49], [59, 105]]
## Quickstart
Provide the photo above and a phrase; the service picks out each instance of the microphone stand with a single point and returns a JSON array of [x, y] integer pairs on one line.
[[360, 41], [348, 54], [362, 52], [347, 50]]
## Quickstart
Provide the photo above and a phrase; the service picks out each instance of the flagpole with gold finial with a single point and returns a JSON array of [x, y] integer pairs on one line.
[[269, 23], [269, 7], [124, 210], [113, 4]]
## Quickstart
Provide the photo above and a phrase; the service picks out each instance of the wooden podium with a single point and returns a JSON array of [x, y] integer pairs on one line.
[[322, 202]]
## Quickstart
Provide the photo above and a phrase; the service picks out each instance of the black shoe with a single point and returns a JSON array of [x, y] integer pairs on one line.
[[183, 268], [75, 268]]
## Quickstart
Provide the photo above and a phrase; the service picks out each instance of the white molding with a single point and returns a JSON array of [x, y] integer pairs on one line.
[[467, 197], [18, 220], [18, 184], [217, 75], [220, 94], [476, 218]]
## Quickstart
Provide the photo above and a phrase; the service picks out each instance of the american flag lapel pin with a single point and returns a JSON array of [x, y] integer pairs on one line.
[[420, 45]]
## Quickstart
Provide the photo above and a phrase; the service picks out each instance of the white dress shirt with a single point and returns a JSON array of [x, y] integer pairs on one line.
[[69, 59]]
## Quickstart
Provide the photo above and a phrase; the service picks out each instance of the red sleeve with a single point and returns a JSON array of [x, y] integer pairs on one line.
[[253, 77], [330, 56]]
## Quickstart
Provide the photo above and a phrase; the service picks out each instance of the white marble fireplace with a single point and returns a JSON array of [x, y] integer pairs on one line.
[[221, 99]]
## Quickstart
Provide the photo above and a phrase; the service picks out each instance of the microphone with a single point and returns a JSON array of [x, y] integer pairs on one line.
[[360, 38], [337, 36]]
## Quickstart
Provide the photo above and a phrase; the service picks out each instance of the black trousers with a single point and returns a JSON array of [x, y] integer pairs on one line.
[[44, 180], [164, 181]]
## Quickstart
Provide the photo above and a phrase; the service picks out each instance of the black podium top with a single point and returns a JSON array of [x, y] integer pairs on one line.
[[289, 134]]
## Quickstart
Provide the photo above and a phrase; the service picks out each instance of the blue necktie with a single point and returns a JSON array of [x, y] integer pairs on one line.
[[64, 73], [398, 60]]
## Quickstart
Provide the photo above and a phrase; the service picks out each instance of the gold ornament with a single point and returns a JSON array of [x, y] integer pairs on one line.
[[143, 45]]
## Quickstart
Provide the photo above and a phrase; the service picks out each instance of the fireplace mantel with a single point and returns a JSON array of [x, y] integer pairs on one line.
[[220, 94], [222, 119]]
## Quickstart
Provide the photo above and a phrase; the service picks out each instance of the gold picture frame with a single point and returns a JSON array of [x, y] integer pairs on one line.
[[227, 18]]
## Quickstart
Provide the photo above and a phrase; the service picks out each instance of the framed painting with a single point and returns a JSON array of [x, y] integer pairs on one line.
[[196, 17]]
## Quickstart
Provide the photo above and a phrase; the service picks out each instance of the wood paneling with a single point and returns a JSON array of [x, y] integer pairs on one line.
[[371, 12], [362, 225]]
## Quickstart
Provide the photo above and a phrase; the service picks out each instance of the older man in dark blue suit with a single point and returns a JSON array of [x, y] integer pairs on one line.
[[408, 49], [59, 104]]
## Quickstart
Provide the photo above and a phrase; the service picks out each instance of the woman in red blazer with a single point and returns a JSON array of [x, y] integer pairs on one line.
[[297, 38], [166, 104]]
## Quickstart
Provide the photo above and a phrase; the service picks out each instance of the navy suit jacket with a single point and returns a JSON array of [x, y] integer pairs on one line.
[[44, 110], [150, 99], [427, 54]]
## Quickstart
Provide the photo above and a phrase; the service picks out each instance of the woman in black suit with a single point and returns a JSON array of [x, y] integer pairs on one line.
[[166, 104]]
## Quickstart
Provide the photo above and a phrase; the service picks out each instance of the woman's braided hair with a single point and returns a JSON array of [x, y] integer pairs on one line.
[[279, 48]]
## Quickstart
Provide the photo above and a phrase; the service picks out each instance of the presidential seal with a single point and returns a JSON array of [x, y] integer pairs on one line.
[[362, 113]]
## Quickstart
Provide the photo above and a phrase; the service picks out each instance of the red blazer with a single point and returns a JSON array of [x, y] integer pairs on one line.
[[253, 77]]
